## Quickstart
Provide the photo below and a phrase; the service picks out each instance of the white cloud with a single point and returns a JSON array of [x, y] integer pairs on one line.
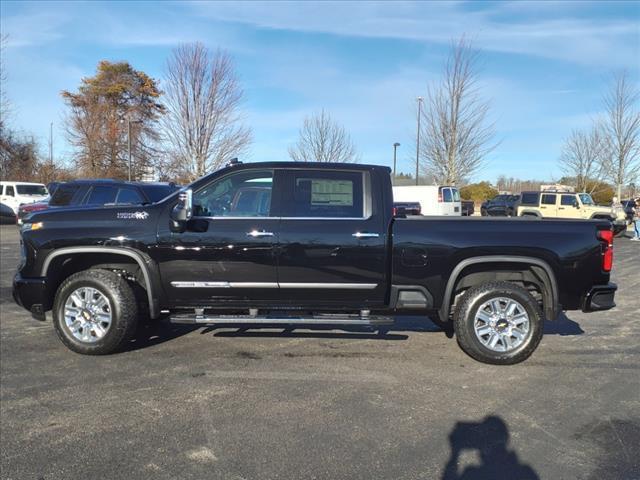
[[558, 35]]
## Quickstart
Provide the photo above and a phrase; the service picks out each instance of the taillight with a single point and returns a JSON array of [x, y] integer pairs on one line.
[[440, 197], [606, 237], [394, 212]]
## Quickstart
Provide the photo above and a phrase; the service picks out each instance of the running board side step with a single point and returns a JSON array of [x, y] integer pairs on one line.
[[321, 319]]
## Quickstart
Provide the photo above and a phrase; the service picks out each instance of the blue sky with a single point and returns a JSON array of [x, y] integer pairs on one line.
[[545, 65]]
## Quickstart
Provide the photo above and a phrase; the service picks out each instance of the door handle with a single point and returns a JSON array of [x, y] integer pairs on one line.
[[259, 233], [365, 235]]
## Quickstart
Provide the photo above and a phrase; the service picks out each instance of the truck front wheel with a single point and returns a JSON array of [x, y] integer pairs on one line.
[[95, 312], [498, 323]]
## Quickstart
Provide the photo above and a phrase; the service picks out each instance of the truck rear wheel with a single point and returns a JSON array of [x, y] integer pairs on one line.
[[498, 323], [95, 312]]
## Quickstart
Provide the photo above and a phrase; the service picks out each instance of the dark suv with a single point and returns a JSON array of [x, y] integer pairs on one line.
[[500, 206], [100, 192]]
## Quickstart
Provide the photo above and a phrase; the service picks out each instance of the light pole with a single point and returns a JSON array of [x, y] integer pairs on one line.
[[418, 139], [395, 147]]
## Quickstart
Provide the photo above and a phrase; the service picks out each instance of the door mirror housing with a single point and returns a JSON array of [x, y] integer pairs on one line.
[[576, 204], [182, 211]]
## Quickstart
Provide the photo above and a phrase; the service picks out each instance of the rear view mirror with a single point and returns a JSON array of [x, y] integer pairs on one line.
[[182, 211]]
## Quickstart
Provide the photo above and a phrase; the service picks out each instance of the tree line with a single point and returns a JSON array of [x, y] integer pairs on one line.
[[190, 123]]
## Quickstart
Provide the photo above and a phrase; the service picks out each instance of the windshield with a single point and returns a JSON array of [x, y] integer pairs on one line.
[[586, 199], [31, 190]]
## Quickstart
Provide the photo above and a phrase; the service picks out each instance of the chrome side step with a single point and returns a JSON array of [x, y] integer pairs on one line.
[[319, 319]]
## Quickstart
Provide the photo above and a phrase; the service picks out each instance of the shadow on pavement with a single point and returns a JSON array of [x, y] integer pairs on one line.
[[387, 332], [562, 326], [490, 439], [155, 333]]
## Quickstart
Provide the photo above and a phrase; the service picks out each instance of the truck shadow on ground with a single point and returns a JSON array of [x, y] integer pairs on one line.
[[490, 439], [157, 332]]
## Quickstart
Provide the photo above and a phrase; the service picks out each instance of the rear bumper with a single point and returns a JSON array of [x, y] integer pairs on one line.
[[600, 297], [32, 294]]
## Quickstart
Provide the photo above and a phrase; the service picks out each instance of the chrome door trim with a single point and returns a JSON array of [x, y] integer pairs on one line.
[[187, 284], [340, 286]]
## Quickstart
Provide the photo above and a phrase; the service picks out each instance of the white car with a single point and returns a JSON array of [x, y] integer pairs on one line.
[[14, 194], [434, 200]]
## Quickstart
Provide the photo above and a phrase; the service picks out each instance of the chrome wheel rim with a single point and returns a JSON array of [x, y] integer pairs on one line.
[[87, 314], [501, 324]]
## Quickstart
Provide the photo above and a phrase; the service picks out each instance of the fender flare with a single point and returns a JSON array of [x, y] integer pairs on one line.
[[144, 261], [453, 278], [530, 213]]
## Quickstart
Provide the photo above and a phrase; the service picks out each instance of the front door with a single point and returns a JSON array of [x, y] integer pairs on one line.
[[332, 240], [227, 255]]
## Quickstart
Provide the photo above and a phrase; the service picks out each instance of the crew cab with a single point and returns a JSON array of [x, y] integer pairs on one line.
[[307, 244], [503, 205]]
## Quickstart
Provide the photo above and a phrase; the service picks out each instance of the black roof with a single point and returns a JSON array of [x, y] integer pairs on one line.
[[307, 165], [111, 181]]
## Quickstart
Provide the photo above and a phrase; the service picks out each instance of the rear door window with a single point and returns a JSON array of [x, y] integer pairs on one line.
[[446, 195], [456, 194], [129, 196], [325, 194], [9, 192], [548, 199], [101, 195]]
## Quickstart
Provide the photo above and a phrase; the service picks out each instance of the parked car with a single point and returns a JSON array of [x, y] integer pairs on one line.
[[468, 208], [433, 200], [407, 208], [500, 206], [562, 204], [6, 214], [100, 192], [13, 194], [313, 244]]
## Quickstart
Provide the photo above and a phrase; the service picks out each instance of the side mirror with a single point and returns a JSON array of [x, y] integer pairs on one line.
[[576, 204], [182, 211]]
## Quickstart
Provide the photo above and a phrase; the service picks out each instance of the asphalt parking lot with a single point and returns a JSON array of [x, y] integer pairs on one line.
[[209, 403]]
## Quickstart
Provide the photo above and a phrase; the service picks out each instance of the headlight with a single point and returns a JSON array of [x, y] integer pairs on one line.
[[31, 226]]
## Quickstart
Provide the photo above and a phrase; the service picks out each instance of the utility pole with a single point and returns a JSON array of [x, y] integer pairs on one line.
[[51, 143], [395, 147], [418, 140]]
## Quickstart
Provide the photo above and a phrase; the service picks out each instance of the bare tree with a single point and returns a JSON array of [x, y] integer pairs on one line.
[[622, 127], [203, 125], [322, 139], [583, 156], [456, 135]]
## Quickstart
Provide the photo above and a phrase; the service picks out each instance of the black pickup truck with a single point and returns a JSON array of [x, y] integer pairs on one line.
[[307, 244]]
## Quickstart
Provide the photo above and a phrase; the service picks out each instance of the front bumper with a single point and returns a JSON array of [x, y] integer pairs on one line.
[[32, 294], [600, 297]]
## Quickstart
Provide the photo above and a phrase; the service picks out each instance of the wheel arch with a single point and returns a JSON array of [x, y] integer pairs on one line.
[[538, 267], [105, 257], [530, 213]]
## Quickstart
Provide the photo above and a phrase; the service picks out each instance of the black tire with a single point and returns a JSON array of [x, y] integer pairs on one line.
[[465, 314], [123, 309]]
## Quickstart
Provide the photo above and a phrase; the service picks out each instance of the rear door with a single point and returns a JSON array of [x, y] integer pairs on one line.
[[548, 206], [447, 205], [332, 239]]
